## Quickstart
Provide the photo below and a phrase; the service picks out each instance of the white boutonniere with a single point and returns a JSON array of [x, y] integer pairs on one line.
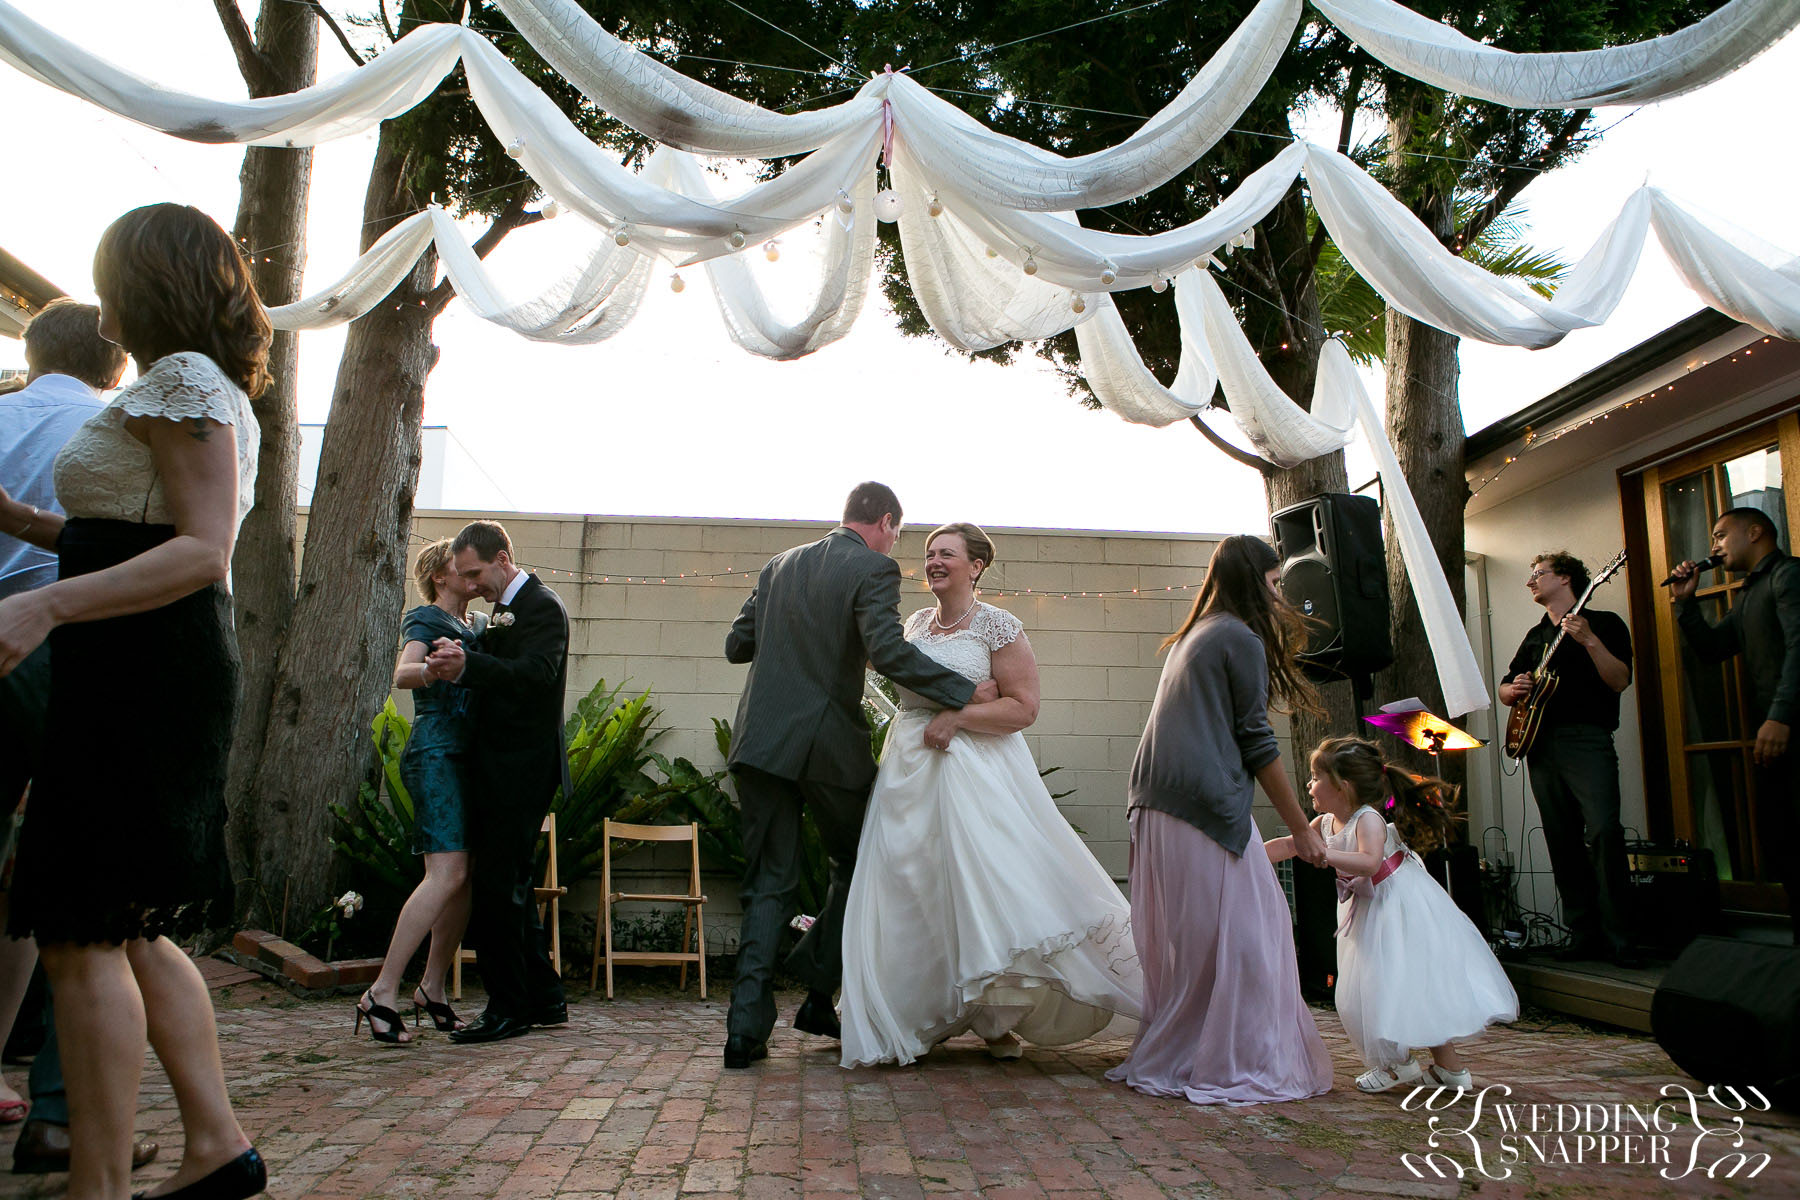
[[501, 620]]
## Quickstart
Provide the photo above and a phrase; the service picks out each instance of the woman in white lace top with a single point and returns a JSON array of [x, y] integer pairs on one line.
[[154, 486], [974, 905]]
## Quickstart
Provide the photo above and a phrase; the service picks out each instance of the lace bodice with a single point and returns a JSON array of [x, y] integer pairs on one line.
[[103, 471], [969, 652]]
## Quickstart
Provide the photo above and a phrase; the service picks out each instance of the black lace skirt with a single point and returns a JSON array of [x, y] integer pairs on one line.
[[124, 833]]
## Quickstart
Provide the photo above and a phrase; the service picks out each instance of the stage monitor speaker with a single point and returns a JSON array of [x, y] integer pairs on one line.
[[1334, 570], [1673, 893], [1728, 1012]]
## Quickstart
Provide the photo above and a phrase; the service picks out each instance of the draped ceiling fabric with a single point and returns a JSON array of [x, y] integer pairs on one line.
[[993, 245]]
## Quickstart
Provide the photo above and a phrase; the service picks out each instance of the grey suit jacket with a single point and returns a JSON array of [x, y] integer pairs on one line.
[[818, 614]]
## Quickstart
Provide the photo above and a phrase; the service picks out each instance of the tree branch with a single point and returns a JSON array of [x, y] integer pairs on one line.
[[1250, 460], [258, 75], [512, 217], [381, 6], [331, 24], [1518, 177]]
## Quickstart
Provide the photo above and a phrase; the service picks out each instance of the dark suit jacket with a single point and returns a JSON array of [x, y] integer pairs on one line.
[[818, 614], [517, 680], [1765, 625]]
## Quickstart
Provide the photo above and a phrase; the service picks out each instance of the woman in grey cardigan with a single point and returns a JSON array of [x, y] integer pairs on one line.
[[1223, 1021]]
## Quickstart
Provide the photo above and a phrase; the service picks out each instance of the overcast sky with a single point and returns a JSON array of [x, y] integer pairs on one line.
[[670, 418]]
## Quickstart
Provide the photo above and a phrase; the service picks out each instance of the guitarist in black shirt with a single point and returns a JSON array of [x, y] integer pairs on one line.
[[1572, 764]]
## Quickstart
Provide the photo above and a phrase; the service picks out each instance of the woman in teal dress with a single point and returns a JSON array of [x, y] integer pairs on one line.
[[432, 771]]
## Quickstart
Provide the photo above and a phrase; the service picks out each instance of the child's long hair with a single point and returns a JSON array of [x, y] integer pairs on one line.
[[1422, 809], [1234, 584]]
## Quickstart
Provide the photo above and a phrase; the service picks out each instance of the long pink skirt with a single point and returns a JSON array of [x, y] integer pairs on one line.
[[1223, 1021]]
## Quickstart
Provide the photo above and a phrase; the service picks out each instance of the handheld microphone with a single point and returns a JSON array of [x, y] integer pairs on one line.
[[1705, 564]]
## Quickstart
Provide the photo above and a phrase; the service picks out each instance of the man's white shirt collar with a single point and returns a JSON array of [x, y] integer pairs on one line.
[[512, 589]]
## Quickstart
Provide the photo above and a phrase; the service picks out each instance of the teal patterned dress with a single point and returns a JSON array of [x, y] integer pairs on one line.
[[433, 764]]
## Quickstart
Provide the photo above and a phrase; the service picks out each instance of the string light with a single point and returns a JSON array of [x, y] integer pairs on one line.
[[1532, 439]]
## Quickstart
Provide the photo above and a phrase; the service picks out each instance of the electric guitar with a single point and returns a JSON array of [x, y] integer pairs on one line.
[[1528, 714]]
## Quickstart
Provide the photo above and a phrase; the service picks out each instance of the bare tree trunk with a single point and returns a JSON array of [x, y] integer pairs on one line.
[[334, 664], [1425, 425], [1289, 340], [274, 186]]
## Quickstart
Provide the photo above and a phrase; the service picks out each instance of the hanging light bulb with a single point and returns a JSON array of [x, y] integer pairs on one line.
[[888, 205], [1030, 265], [1108, 275], [935, 207], [551, 210], [771, 251], [737, 239], [677, 283], [622, 235], [1078, 304], [515, 148], [845, 204], [1159, 285]]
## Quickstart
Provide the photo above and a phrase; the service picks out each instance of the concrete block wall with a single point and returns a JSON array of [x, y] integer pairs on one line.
[[1097, 654]]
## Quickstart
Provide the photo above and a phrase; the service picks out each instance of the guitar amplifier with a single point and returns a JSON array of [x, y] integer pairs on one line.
[[1674, 894]]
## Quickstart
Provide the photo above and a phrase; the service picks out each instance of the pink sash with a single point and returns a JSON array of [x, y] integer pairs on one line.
[[1347, 889]]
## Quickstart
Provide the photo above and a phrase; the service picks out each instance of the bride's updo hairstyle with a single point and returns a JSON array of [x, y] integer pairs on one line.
[[1235, 585], [978, 543], [175, 281]]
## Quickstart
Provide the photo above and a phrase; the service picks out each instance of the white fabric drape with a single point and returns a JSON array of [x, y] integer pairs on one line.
[[1637, 73]]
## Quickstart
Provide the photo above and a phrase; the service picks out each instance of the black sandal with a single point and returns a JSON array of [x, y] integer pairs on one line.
[[442, 1015], [396, 1027]]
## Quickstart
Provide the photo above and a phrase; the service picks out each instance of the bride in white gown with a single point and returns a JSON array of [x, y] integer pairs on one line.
[[974, 906]]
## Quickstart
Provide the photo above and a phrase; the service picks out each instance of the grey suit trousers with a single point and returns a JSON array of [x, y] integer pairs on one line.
[[772, 809]]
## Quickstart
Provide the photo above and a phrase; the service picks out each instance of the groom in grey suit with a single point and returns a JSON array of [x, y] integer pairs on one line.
[[819, 613]]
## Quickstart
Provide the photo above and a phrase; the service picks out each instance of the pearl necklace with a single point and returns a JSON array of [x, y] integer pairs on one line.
[[937, 612]]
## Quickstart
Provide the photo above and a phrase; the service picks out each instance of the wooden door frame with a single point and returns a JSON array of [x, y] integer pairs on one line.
[[1659, 695]]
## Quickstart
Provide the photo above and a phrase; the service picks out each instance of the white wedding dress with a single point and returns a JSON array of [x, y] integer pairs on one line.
[[974, 905]]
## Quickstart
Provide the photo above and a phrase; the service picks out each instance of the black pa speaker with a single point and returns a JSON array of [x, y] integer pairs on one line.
[[1334, 570], [1315, 929], [1458, 871], [1728, 1012]]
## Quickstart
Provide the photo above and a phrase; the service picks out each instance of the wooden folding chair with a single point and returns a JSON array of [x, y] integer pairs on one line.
[[693, 928], [549, 895]]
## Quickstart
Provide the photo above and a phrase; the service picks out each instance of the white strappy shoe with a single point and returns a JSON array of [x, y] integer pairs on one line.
[[1461, 1080], [1006, 1047], [1380, 1079]]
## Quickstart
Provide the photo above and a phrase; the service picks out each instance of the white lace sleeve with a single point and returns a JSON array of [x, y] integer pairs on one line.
[[183, 386], [916, 624], [996, 627]]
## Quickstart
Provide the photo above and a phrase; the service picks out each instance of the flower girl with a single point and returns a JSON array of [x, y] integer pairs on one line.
[[1412, 969]]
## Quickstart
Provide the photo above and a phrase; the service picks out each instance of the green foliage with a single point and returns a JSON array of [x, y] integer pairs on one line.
[[375, 834]]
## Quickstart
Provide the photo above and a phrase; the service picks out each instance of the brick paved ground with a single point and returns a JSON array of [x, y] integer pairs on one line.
[[629, 1100]]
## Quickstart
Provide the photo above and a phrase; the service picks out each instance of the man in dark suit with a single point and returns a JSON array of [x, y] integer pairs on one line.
[[819, 613], [1763, 625], [516, 764]]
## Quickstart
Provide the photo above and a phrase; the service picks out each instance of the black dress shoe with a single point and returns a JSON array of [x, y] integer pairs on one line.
[[491, 1028], [740, 1052], [817, 1016], [242, 1177], [43, 1147], [552, 1014]]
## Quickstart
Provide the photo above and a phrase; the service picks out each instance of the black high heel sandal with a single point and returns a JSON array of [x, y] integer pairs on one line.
[[387, 1016], [443, 1017]]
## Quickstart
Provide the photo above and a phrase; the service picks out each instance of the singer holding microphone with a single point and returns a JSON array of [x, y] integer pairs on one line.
[[1764, 625], [1572, 764]]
